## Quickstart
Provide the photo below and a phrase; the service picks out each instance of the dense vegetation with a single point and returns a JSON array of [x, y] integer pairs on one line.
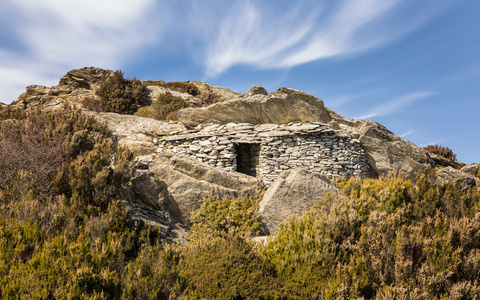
[[65, 234], [164, 109], [121, 95], [442, 151]]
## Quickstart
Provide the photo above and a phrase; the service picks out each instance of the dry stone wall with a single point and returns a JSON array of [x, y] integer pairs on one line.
[[271, 149]]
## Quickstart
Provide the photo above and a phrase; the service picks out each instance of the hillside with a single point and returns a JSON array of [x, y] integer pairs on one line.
[[118, 188]]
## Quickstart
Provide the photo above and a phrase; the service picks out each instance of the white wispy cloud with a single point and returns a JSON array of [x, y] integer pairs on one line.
[[254, 34], [405, 134], [49, 37], [53, 36], [397, 104]]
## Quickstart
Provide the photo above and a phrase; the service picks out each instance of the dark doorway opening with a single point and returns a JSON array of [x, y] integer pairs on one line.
[[247, 158]]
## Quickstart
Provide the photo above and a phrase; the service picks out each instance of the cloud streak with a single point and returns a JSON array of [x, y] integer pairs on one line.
[[44, 39], [52, 36], [397, 104], [254, 34]]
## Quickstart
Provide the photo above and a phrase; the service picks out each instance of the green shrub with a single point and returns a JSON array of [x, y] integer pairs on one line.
[[122, 95], [231, 268], [388, 238], [164, 109], [226, 218]]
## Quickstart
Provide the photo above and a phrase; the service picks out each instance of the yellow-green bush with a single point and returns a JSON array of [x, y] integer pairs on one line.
[[165, 108], [226, 218], [64, 235]]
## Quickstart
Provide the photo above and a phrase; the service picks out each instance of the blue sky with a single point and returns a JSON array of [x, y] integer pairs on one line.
[[413, 66]]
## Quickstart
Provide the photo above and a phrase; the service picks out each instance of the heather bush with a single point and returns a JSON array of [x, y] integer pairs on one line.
[[388, 239], [64, 234], [183, 87], [442, 151], [226, 218], [122, 95]]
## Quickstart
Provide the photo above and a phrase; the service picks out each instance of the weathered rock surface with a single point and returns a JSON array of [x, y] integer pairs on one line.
[[281, 107], [73, 88], [449, 174], [148, 199], [156, 91], [222, 93], [87, 78], [385, 151], [294, 192], [190, 182], [472, 169], [256, 90], [137, 133]]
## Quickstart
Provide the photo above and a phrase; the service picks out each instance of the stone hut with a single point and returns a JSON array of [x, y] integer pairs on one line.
[[265, 150]]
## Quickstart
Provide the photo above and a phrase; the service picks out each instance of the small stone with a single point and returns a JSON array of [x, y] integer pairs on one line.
[[194, 148], [205, 143]]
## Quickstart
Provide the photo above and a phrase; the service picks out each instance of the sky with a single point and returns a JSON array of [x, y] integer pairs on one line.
[[413, 66]]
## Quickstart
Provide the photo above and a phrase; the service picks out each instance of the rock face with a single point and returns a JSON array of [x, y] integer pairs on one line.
[[87, 78], [190, 182], [148, 199], [449, 174], [281, 107], [74, 87], [137, 133], [472, 169], [385, 151], [294, 192]]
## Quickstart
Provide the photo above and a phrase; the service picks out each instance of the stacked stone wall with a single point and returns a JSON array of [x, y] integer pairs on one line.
[[315, 147]]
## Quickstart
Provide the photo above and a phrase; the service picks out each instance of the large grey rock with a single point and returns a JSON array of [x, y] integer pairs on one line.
[[385, 152], [281, 107], [472, 169], [137, 133], [148, 199], [293, 192], [256, 90], [191, 182], [87, 78], [449, 174]]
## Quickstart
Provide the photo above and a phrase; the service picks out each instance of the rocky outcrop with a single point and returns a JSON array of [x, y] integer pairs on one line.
[[86, 78], [137, 133], [385, 152], [148, 199], [294, 192], [449, 174], [190, 182], [472, 169], [72, 89], [289, 130], [281, 107], [207, 90]]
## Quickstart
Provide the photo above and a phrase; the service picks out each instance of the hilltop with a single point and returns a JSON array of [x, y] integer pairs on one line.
[[115, 169], [198, 112]]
